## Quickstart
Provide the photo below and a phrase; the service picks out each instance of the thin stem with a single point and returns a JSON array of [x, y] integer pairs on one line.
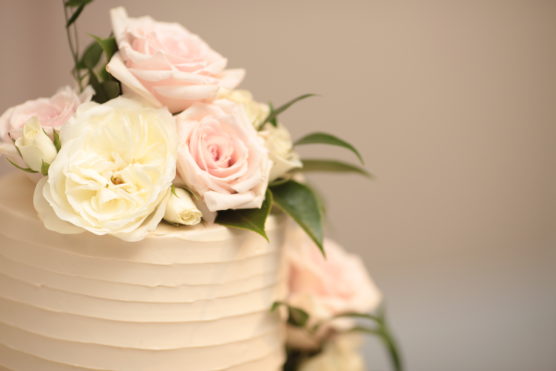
[[73, 49]]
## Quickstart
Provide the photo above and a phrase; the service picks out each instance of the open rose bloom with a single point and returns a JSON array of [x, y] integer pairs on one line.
[[221, 157], [165, 64]]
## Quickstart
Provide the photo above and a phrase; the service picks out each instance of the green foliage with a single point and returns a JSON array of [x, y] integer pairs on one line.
[[328, 165], [108, 45], [299, 201], [91, 57], [56, 140], [44, 168], [325, 138], [297, 317], [248, 219], [104, 84], [381, 330], [26, 169], [274, 112]]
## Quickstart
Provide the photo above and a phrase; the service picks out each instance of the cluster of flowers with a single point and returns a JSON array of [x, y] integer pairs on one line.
[[120, 167], [167, 136]]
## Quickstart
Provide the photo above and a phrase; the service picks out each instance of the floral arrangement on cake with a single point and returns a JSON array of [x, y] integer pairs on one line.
[[155, 130]]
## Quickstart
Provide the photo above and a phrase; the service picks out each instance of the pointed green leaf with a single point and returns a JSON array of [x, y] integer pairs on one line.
[[108, 45], [300, 202], [90, 56], [332, 165], [248, 219], [325, 138], [74, 3], [273, 115], [75, 15]]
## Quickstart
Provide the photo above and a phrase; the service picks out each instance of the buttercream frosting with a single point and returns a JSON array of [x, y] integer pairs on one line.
[[194, 298]]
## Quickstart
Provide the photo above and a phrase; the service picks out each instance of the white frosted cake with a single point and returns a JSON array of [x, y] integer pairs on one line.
[[146, 227], [196, 299]]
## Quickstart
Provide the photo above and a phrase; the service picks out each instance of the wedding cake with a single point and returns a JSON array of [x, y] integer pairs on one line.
[[160, 221]]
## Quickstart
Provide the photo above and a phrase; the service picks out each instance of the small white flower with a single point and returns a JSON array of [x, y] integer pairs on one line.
[[35, 146], [114, 171], [181, 209], [280, 147]]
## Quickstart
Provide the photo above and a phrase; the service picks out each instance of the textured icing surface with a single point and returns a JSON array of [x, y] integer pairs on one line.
[[195, 299]]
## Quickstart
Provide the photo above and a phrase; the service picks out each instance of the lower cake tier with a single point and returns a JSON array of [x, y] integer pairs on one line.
[[195, 299]]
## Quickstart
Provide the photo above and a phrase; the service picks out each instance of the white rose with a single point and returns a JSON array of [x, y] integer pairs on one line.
[[114, 171], [181, 209], [256, 111], [35, 146], [341, 353], [280, 147]]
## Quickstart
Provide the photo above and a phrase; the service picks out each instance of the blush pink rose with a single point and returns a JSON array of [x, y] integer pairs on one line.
[[328, 286], [165, 64], [52, 113], [221, 157], [325, 287]]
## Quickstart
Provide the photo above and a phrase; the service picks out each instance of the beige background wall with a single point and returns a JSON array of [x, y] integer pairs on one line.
[[453, 104]]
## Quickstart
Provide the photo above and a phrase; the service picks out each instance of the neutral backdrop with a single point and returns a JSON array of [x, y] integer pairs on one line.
[[453, 105]]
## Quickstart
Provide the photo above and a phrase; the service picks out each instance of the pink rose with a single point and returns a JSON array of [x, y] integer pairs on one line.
[[52, 113], [325, 287], [221, 157], [166, 64]]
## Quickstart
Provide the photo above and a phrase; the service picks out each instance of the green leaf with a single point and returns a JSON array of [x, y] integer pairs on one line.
[[111, 88], [56, 140], [27, 169], [75, 15], [300, 202], [297, 317], [382, 331], [273, 115], [334, 166], [75, 3], [248, 219], [100, 94], [44, 168], [325, 138], [274, 120], [90, 56], [108, 45]]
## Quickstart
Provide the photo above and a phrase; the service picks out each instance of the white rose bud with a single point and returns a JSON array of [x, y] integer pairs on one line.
[[181, 209], [35, 146], [280, 147]]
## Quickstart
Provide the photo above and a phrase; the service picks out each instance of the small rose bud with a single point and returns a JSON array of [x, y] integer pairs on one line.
[[181, 209], [35, 146]]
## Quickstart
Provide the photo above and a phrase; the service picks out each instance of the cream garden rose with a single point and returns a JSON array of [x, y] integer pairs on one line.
[[114, 171], [51, 113], [221, 157], [280, 147], [166, 64]]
